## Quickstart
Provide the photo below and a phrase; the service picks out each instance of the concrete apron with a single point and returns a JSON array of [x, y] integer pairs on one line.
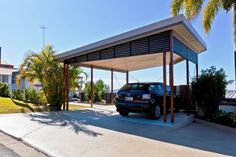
[[181, 119], [69, 127]]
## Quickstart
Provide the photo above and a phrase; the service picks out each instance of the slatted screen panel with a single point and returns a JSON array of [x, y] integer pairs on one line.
[[93, 56], [82, 58], [139, 47], [182, 50], [107, 53], [159, 42], [152, 44], [122, 50]]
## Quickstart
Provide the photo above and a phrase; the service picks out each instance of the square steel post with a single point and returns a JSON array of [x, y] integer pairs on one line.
[[164, 86], [196, 71], [187, 87], [67, 87], [127, 77], [171, 79], [111, 97], [92, 90], [64, 75]]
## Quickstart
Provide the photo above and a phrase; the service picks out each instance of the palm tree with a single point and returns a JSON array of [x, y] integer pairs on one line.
[[192, 8], [76, 72], [44, 68]]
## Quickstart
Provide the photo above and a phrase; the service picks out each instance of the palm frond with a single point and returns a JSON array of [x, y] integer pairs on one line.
[[192, 8], [209, 14], [176, 6]]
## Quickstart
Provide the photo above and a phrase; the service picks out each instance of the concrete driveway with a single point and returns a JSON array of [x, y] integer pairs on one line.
[[103, 133]]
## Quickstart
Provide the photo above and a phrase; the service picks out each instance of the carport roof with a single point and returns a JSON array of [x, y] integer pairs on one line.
[[122, 53], [181, 27]]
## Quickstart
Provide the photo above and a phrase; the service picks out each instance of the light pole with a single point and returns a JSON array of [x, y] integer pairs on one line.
[[44, 29]]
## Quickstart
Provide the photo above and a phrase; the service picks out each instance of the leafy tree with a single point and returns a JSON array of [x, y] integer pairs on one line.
[[4, 90], [209, 89], [74, 84], [100, 89], [44, 68], [192, 8]]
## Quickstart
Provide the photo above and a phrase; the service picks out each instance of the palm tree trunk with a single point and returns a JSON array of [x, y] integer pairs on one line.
[[234, 34]]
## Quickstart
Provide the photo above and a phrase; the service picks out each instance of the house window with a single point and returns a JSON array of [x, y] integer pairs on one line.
[[4, 78]]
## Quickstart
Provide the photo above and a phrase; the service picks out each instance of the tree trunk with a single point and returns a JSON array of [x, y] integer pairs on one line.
[[234, 34]]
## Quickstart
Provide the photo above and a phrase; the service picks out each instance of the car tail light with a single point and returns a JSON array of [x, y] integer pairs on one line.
[[146, 96]]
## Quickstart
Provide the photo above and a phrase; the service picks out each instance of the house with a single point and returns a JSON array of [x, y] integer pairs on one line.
[[6, 71], [8, 75]]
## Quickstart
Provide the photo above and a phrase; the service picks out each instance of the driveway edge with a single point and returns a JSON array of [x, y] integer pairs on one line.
[[218, 126], [25, 143]]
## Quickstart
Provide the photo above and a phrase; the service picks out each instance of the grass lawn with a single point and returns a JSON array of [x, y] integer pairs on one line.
[[8, 105], [77, 107]]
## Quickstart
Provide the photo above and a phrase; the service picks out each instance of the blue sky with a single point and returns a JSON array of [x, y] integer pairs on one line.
[[74, 23]]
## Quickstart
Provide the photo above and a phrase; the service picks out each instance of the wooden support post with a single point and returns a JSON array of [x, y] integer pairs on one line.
[[111, 97], [164, 86], [92, 90], [67, 87], [171, 80], [64, 75], [196, 71], [187, 87], [127, 77]]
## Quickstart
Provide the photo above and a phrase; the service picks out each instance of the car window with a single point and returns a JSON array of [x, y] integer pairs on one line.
[[134, 87], [143, 87], [168, 88], [125, 87], [159, 87], [152, 88]]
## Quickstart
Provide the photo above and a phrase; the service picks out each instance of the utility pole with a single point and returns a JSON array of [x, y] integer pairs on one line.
[[44, 29]]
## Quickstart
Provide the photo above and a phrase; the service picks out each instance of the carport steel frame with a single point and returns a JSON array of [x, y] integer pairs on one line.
[[162, 42]]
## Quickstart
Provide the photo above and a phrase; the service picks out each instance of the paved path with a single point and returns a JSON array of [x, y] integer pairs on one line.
[[5, 152], [103, 133], [10, 147]]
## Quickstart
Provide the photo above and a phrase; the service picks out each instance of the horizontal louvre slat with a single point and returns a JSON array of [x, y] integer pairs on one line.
[[82, 58], [71, 60], [122, 50], [192, 56], [107, 53], [93, 56], [159, 42], [139, 46], [185, 52], [180, 48]]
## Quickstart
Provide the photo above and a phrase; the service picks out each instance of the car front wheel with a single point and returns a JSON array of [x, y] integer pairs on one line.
[[156, 112], [124, 113]]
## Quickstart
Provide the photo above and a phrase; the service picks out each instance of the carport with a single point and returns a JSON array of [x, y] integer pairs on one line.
[[162, 43]]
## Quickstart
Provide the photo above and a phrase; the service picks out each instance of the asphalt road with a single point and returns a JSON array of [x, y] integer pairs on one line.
[[5, 152]]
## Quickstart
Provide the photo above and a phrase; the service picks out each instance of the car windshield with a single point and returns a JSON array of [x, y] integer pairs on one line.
[[136, 87]]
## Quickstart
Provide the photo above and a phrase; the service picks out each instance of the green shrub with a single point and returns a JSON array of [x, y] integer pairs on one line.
[[224, 118], [4, 90], [209, 89], [31, 95], [22, 110], [18, 94]]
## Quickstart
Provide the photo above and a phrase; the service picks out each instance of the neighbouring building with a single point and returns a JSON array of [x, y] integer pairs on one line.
[[8, 74]]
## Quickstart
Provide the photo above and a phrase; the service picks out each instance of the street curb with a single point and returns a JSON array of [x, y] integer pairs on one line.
[[26, 143], [218, 126]]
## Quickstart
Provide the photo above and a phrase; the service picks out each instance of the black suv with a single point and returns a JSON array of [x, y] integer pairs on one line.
[[142, 98]]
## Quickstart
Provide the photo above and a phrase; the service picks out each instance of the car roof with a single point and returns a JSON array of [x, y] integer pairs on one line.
[[147, 83]]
